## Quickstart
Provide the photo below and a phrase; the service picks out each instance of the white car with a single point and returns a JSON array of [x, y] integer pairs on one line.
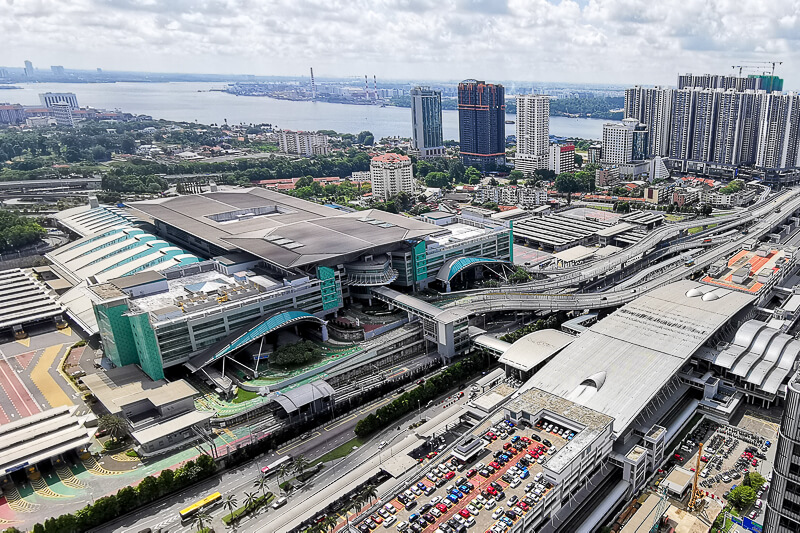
[[416, 490], [387, 522], [435, 500], [469, 522], [391, 508], [489, 504], [472, 509], [435, 512], [431, 476], [515, 483], [498, 513], [382, 444]]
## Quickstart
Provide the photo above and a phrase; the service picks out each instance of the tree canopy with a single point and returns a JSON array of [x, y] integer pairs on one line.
[[17, 231]]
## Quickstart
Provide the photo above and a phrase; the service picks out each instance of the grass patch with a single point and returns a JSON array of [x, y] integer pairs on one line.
[[244, 395], [341, 451], [131, 453], [244, 510]]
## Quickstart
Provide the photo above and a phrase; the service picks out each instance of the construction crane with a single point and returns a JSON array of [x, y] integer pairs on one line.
[[694, 501], [313, 87], [661, 508], [755, 64]]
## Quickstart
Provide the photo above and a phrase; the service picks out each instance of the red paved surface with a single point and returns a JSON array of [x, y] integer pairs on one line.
[[19, 397], [75, 354], [25, 359], [6, 513]]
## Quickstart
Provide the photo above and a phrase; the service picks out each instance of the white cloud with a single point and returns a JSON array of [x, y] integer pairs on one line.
[[615, 41]]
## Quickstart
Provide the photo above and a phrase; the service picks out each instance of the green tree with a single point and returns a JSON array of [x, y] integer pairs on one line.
[[493, 182], [260, 483], [515, 176], [230, 503], [456, 171], [114, 425], [472, 174], [148, 489], [754, 480], [300, 464], [365, 137], [567, 184], [127, 498], [165, 480], [706, 210], [578, 160], [128, 145], [305, 181], [250, 499], [742, 497], [437, 179], [329, 523], [283, 471], [201, 520]]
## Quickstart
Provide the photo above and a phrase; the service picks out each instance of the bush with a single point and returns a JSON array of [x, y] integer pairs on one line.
[[742, 497], [131, 453], [296, 354], [551, 322], [245, 510]]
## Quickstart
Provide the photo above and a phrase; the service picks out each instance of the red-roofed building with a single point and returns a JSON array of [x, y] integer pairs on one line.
[[562, 158], [12, 114]]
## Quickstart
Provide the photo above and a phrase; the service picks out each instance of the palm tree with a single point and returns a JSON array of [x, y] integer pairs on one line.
[[370, 492], [260, 483], [230, 503], [114, 425], [283, 471], [201, 519], [330, 522], [250, 499], [300, 464]]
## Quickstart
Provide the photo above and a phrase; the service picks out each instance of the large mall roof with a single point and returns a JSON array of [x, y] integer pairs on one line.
[[281, 229], [618, 365]]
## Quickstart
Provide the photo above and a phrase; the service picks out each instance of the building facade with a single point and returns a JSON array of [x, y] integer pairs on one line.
[[482, 123], [561, 158], [62, 112], [533, 133], [51, 99], [307, 143], [12, 114], [783, 499], [391, 174], [426, 123], [624, 141]]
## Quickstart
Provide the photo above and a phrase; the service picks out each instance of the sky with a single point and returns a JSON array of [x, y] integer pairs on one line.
[[579, 41]]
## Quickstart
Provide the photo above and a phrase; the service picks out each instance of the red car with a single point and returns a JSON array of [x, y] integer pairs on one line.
[[526, 440], [523, 506], [495, 465], [442, 507], [492, 436], [472, 472], [507, 445], [512, 451], [450, 475], [464, 513], [491, 490]]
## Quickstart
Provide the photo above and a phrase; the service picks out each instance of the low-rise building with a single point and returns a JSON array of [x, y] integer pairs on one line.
[[685, 196], [659, 194], [736, 199], [526, 197], [606, 176], [12, 114]]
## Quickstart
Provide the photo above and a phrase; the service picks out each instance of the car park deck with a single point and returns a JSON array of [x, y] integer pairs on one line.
[[511, 487]]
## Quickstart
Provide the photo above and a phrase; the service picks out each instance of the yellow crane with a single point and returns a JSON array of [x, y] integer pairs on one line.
[[696, 492]]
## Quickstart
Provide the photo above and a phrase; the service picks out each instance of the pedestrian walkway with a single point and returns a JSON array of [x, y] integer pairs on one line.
[[44, 381], [68, 478]]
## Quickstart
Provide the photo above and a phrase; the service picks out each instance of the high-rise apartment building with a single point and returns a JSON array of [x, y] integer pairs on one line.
[[391, 174], [307, 143], [57, 70], [51, 99], [426, 123], [653, 108], [783, 499], [716, 81], [779, 131], [28, 69], [624, 141], [533, 133], [703, 127], [482, 123]]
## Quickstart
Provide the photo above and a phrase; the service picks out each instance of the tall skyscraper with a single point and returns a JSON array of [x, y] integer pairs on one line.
[[783, 510], [533, 133], [653, 108], [680, 142], [703, 129], [482, 123], [28, 69], [62, 112], [426, 123], [57, 70]]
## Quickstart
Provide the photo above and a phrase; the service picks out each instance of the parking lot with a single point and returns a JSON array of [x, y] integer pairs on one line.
[[503, 482], [729, 452]]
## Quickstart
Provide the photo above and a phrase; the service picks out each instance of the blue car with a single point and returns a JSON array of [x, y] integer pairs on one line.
[[452, 498], [514, 439], [506, 521], [464, 489], [524, 474], [413, 518]]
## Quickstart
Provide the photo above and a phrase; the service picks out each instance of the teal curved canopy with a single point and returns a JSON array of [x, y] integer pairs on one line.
[[453, 266], [250, 333]]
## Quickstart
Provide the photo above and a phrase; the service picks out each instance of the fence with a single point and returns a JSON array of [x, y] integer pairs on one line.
[[386, 327]]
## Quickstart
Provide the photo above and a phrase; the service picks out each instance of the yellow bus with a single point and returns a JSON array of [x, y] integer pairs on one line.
[[196, 507]]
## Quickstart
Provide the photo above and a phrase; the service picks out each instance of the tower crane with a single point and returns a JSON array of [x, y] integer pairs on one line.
[[694, 500], [756, 63]]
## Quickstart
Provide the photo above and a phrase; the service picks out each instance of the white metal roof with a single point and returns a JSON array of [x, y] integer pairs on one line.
[[618, 365], [535, 348]]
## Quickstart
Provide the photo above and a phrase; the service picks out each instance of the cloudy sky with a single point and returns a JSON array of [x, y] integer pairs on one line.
[[599, 41]]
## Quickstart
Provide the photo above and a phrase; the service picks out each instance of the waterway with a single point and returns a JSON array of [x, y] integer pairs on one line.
[[195, 102]]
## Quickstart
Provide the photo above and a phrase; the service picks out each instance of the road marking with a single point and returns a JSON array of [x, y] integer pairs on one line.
[[14, 388], [66, 331], [287, 448], [25, 342], [47, 385]]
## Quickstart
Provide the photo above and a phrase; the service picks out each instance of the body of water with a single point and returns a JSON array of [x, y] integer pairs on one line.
[[192, 101]]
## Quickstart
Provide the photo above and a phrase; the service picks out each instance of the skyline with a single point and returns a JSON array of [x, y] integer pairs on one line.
[[596, 41]]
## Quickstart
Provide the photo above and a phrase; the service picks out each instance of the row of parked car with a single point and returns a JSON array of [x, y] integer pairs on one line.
[[520, 449]]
